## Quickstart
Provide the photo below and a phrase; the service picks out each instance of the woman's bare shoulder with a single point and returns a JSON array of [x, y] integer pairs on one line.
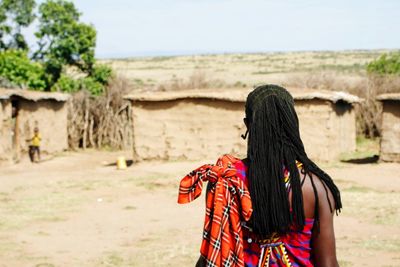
[[313, 187], [324, 194]]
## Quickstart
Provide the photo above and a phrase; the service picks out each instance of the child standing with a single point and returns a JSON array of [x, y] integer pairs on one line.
[[35, 145]]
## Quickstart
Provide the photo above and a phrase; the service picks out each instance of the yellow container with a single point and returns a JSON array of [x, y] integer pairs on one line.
[[121, 163]]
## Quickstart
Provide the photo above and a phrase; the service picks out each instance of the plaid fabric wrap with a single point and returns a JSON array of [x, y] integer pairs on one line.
[[227, 204]]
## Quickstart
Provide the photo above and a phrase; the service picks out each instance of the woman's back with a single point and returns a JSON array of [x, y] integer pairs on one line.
[[293, 248]]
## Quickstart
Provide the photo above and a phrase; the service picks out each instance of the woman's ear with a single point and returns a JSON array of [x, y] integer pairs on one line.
[[246, 122]]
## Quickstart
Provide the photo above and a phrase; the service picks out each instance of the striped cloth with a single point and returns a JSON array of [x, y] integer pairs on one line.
[[292, 249], [228, 203]]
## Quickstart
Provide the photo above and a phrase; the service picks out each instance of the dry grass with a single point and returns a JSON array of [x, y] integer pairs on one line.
[[247, 69], [198, 80], [368, 87], [340, 71]]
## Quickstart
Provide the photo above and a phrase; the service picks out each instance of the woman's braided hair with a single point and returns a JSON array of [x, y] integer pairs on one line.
[[274, 140]]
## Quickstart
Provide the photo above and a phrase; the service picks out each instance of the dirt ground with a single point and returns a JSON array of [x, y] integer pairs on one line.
[[74, 210]]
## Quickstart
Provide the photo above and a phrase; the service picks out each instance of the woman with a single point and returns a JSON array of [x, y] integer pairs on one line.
[[293, 200]]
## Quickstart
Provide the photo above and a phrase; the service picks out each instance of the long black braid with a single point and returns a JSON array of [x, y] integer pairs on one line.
[[274, 140]]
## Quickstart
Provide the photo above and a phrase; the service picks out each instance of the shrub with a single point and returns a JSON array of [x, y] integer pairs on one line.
[[20, 71], [66, 84], [385, 64], [102, 74], [91, 85], [69, 85]]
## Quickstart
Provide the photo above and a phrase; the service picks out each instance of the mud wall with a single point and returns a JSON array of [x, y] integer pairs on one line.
[[50, 117], [5, 131], [205, 129], [327, 129], [187, 129], [390, 139]]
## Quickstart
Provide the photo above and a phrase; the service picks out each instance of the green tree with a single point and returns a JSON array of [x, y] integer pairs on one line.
[[14, 16], [385, 64], [95, 83], [20, 71], [64, 40], [102, 74]]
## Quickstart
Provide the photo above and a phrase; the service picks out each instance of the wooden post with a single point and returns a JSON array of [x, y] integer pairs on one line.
[[86, 124]]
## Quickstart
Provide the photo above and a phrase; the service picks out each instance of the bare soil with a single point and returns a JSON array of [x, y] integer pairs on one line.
[[74, 210]]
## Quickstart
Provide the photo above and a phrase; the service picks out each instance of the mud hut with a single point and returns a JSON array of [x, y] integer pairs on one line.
[[390, 130], [203, 124], [21, 111]]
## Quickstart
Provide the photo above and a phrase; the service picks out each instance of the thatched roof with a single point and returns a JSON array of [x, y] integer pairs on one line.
[[392, 96], [238, 95], [33, 95]]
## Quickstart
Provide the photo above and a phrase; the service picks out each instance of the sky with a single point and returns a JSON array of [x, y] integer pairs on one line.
[[129, 28]]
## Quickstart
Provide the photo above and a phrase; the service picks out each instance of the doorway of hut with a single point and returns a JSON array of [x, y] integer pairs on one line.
[[15, 135]]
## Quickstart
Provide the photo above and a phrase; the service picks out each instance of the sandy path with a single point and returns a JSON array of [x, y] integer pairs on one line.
[[73, 211]]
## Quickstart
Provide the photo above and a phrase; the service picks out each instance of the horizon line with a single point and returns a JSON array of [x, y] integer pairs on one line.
[[171, 53]]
